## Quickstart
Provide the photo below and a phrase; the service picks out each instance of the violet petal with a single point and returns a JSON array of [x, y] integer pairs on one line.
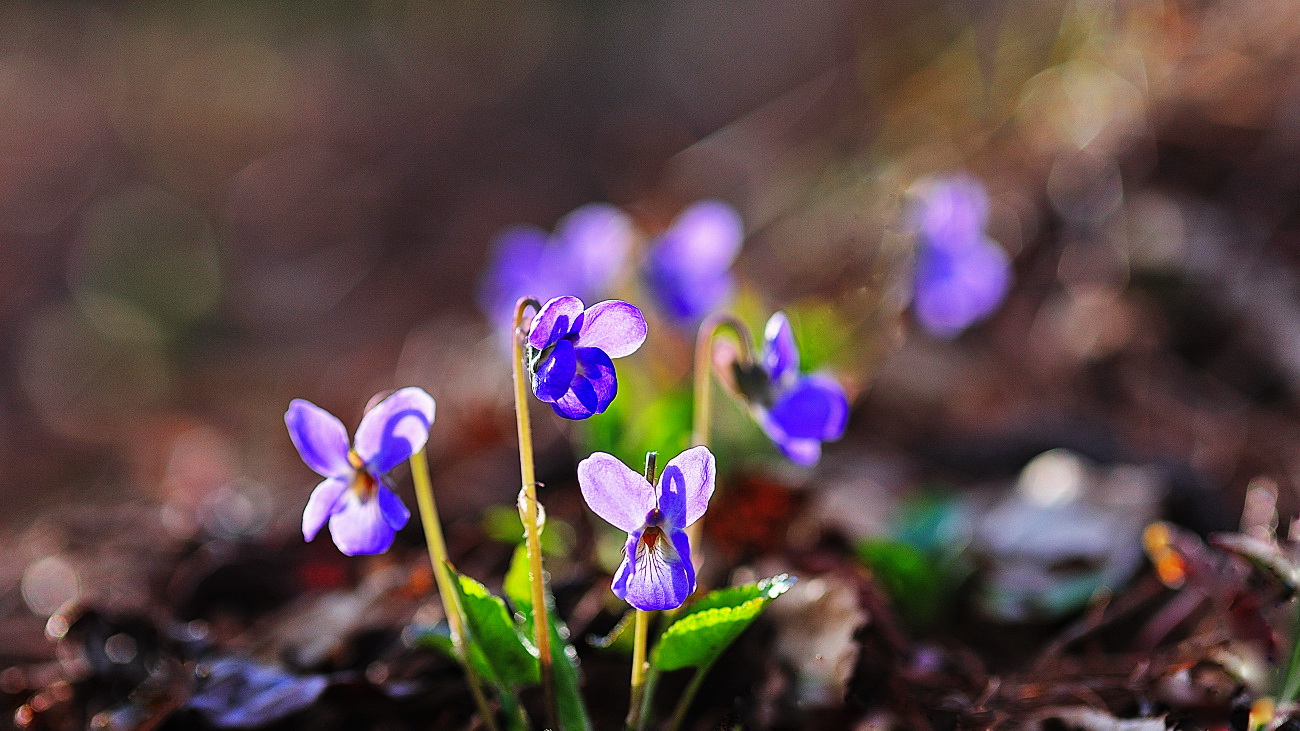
[[553, 321], [780, 354], [618, 494], [321, 505], [395, 429], [692, 474], [659, 577], [358, 527], [554, 375], [320, 438], [614, 326], [594, 241], [592, 389], [395, 512]]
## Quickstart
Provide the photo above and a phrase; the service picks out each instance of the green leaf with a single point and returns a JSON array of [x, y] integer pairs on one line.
[[914, 582], [564, 659], [512, 659], [710, 625]]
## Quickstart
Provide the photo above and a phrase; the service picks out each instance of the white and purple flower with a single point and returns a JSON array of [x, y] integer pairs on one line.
[[364, 514], [961, 274], [797, 411], [656, 572], [688, 267], [570, 352]]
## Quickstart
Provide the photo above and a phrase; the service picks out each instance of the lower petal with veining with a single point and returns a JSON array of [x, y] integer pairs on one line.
[[656, 572]]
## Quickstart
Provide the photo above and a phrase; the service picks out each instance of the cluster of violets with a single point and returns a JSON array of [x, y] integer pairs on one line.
[[961, 274], [570, 352], [961, 277], [686, 268]]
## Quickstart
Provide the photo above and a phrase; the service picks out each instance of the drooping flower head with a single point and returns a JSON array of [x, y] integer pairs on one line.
[[570, 352], [581, 258], [688, 267], [797, 411], [363, 512], [961, 274], [656, 572]]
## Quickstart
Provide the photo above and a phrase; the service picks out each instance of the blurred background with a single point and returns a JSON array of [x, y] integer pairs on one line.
[[209, 209]]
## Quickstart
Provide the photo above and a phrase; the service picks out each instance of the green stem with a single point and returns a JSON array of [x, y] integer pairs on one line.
[[635, 712], [688, 695], [702, 415], [442, 575], [1291, 677], [648, 696], [528, 512], [635, 707]]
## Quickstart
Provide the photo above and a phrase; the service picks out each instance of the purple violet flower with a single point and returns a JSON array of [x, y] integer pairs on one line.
[[656, 572], [797, 412], [363, 512], [570, 351], [582, 258], [688, 268], [961, 274]]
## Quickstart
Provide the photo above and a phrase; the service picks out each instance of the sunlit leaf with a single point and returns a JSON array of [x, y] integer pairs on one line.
[[710, 625]]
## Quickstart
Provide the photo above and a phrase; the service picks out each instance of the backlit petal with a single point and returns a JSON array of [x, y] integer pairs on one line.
[[393, 509], [321, 505], [517, 263], [815, 408], [614, 491], [358, 527], [705, 237], [554, 375], [658, 577], [804, 452], [685, 486], [592, 389], [780, 354], [554, 321], [321, 439], [594, 241], [395, 429], [614, 326]]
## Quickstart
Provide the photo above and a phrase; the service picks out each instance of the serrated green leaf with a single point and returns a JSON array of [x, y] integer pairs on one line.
[[710, 625], [734, 596], [564, 659], [438, 638], [511, 657]]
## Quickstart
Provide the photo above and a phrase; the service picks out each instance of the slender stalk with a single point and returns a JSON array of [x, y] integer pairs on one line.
[[702, 415], [635, 710], [688, 695], [648, 696], [442, 575], [528, 512]]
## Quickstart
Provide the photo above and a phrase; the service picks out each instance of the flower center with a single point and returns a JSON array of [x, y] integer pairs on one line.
[[363, 484], [651, 536]]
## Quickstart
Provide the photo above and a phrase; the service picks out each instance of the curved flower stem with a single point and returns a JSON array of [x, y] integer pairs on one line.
[[528, 513], [703, 406], [442, 575], [688, 695]]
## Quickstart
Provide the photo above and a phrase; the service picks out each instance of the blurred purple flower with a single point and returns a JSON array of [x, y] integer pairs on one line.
[[582, 258], [961, 274], [363, 513], [688, 268], [656, 572], [797, 412], [570, 351]]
